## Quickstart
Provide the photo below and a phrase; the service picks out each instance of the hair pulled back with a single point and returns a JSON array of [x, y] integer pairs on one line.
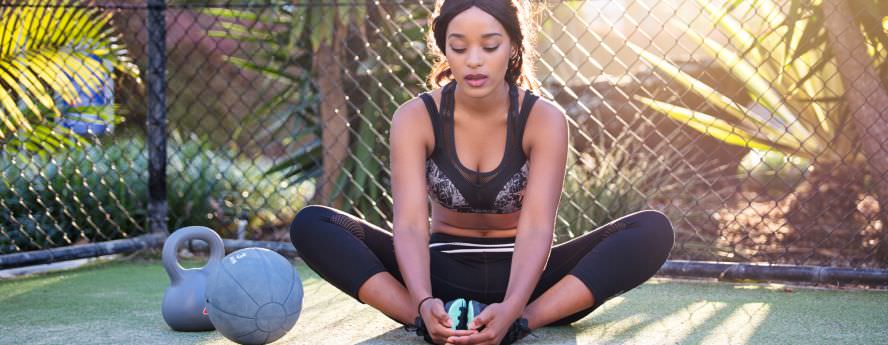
[[516, 18]]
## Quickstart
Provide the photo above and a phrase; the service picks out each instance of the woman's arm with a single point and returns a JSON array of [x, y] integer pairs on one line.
[[547, 145], [410, 202], [410, 142]]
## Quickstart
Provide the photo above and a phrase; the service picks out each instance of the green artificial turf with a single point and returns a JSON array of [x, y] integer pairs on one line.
[[119, 303]]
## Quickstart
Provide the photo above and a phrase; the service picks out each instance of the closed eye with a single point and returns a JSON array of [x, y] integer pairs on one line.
[[460, 51]]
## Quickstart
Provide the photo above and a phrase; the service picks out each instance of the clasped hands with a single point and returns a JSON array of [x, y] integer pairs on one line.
[[488, 328]]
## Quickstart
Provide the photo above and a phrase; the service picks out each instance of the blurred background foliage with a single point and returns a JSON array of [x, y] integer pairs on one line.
[[741, 131]]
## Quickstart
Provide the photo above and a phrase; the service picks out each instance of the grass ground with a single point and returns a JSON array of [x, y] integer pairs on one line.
[[119, 303]]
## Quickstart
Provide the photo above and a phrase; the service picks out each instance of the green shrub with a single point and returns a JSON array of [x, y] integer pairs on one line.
[[212, 188], [90, 193], [100, 192]]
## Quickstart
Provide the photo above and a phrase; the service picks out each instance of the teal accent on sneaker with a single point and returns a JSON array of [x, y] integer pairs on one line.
[[456, 310], [474, 309]]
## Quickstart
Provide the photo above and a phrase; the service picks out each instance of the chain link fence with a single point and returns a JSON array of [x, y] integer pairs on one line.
[[68, 175], [730, 117]]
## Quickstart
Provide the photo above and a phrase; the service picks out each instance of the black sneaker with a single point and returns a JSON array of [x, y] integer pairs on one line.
[[462, 312], [517, 330], [456, 309], [420, 329], [473, 309]]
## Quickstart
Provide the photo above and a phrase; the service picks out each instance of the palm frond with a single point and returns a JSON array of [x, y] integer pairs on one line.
[[52, 57]]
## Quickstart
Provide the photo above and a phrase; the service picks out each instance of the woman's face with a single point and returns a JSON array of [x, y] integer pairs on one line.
[[477, 50]]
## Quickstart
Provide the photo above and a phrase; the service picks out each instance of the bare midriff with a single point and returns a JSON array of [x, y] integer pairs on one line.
[[455, 223]]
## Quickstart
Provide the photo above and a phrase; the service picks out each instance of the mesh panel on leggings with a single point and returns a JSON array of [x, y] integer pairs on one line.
[[349, 224]]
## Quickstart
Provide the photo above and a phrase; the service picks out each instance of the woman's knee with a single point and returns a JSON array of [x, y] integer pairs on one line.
[[657, 229], [305, 223], [315, 223]]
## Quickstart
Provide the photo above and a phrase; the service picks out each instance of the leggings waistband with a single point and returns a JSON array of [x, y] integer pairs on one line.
[[438, 237], [452, 244]]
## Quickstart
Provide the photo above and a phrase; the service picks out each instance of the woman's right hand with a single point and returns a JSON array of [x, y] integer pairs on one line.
[[438, 322]]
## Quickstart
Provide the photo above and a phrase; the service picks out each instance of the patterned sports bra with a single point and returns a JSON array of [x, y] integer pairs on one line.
[[463, 190]]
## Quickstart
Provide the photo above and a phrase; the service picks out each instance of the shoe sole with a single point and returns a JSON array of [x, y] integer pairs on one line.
[[474, 308], [456, 310]]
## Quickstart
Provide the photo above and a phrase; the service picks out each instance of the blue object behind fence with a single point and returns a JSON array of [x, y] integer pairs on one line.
[[92, 113]]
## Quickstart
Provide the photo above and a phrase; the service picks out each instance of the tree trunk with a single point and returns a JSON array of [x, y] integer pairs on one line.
[[866, 99], [334, 113]]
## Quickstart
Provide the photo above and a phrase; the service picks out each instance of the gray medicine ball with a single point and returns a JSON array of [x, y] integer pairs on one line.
[[254, 297]]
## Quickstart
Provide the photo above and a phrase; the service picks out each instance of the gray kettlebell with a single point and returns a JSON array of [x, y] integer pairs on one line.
[[184, 303]]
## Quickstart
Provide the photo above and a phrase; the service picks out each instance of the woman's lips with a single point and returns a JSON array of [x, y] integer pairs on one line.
[[475, 80]]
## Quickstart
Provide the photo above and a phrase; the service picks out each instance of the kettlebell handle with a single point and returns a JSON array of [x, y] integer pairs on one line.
[[172, 243]]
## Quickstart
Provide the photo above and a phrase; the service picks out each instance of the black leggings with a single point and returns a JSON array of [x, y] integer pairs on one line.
[[346, 251]]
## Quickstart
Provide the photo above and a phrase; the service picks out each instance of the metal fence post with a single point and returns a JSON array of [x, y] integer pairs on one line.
[[157, 119]]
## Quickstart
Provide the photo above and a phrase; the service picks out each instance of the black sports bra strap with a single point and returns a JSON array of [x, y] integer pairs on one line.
[[526, 105], [429, 103], [448, 99], [529, 100], [434, 116]]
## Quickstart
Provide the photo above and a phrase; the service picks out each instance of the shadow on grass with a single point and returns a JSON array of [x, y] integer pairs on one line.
[[664, 313], [119, 302], [653, 313]]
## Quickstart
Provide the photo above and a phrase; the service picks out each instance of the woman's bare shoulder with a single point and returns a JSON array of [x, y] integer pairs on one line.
[[413, 112], [546, 121], [412, 119], [542, 107]]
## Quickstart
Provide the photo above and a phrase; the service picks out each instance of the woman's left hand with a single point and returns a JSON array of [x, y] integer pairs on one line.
[[495, 319]]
